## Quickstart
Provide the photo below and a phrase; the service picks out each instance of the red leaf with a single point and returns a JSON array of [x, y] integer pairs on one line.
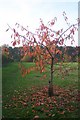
[[52, 23], [17, 34], [14, 43], [52, 35]]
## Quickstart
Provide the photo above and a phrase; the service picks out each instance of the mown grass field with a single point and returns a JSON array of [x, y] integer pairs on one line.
[[27, 97]]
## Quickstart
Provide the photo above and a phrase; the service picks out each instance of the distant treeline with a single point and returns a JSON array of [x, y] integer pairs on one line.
[[10, 54]]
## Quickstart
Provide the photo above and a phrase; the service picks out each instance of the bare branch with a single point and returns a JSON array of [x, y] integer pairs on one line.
[[67, 30]]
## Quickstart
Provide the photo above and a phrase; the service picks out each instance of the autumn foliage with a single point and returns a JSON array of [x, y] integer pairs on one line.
[[43, 45]]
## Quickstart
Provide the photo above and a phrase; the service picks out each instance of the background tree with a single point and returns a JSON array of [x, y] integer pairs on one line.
[[43, 45], [6, 56]]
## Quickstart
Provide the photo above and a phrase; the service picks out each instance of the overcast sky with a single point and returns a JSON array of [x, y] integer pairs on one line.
[[28, 12]]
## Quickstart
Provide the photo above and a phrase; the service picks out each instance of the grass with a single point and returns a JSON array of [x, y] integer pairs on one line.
[[16, 89]]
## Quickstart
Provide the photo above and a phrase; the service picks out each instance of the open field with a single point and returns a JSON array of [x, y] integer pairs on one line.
[[27, 97]]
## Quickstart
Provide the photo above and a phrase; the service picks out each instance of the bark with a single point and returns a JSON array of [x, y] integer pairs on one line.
[[50, 89]]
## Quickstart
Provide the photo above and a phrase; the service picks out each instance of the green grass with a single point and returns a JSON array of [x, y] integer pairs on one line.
[[12, 79], [13, 84]]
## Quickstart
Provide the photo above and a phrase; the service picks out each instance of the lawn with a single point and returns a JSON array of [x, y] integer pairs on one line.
[[27, 97]]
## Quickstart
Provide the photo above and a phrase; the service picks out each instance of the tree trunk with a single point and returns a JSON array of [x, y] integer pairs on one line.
[[50, 89]]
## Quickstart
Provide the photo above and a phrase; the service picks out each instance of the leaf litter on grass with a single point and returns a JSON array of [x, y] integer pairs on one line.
[[36, 102]]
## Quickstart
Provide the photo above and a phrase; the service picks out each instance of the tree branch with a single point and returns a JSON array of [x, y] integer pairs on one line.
[[67, 30]]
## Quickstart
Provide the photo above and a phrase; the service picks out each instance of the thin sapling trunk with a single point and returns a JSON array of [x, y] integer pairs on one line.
[[50, 89]]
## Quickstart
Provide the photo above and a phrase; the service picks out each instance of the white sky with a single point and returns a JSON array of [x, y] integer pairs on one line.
[[28, 12]]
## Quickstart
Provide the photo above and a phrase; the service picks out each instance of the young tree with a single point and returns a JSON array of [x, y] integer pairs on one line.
[[43, 45]]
